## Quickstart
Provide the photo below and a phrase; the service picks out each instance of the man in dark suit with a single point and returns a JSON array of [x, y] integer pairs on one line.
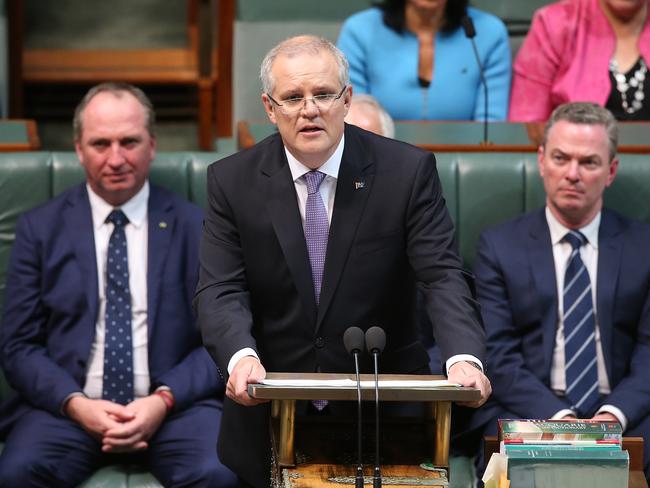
[[568, 320], [98, 337], [317, 228]]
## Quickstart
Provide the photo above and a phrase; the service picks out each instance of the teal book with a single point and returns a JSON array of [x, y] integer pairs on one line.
[[559, 430], [553, 468]]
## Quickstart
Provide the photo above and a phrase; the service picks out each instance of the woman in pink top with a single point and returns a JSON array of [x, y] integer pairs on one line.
[[584, 50]]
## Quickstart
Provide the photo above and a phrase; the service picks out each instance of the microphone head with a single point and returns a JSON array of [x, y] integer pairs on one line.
[[375, 339], [468, 26], [353, 339]]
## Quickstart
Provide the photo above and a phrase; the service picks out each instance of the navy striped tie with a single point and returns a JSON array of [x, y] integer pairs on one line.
[[579, 331]]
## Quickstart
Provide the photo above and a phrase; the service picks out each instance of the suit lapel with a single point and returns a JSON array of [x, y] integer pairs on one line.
[[283, 211], [79, 227], [353, 187], [609, 262], [161, 227], [543, 268]]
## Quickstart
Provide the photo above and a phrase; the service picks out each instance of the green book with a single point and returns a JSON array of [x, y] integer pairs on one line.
[[553, 468]]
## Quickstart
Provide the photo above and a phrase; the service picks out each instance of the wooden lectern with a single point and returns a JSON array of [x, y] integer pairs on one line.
[[292, 439]]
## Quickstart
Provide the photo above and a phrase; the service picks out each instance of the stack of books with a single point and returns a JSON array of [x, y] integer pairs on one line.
[[557, 453]]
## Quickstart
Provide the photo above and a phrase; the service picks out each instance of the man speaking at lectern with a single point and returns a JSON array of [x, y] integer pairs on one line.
[[315, 229]]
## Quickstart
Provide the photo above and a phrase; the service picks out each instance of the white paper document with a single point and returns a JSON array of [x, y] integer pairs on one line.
[[348, 383]]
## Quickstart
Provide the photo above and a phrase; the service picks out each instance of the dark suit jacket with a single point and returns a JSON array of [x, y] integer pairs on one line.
[[51, 303], [517, 289], [255, 288]]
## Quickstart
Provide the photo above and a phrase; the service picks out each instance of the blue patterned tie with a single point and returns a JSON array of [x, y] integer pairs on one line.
[[316, 229], [118, 344], [579, 331]]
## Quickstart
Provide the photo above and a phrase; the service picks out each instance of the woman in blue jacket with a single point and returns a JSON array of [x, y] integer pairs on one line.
[[414, 58]]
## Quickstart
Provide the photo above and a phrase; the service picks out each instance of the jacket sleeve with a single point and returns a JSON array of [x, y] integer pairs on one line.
[[497, 67], [222, 300], [353, 42], [26, 361], [536, 68]]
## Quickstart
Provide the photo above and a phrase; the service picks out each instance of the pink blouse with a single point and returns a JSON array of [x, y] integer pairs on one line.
[[565, 58]]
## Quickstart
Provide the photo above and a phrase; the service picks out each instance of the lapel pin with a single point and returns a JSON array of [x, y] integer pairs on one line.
[[162, 224], [358, 185]]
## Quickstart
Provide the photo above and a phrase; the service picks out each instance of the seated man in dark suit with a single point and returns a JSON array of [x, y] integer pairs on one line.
[[98, 337], [564, 290]]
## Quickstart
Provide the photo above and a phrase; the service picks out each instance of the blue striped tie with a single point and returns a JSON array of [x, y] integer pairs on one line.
[[118, 344], [579, 331]]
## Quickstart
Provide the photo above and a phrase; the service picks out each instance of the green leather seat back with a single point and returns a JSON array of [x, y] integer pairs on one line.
[[448, 171], [24, 183], [66, 171], [630, 192], [199, 163], [490, 190]]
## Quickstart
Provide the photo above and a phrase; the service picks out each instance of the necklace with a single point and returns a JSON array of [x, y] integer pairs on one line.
[[637, 81]]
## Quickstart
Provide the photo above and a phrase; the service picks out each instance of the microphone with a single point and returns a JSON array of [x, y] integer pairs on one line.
[[353, 341], [470, 33], [375, 343]]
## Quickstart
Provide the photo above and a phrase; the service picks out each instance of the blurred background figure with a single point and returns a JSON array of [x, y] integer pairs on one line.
[[414, 58], [584, 50], [367, 113]]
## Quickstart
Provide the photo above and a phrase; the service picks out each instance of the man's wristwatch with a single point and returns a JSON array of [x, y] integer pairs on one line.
[[476, 365]]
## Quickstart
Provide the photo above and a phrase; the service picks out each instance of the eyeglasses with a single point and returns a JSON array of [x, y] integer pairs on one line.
[[293, 105]]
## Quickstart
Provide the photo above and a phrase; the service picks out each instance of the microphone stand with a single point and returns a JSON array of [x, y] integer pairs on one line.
[[376, 478], [470, 33], [353, 339], [358, 480], [375, 343]]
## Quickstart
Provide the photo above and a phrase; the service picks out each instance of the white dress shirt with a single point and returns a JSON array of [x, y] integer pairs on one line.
[[327, 191], [589, 255], [136, 232]]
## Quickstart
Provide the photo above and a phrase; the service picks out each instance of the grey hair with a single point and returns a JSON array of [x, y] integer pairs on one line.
[[586, 113], [305, 44], [117, 89], [386, 121]]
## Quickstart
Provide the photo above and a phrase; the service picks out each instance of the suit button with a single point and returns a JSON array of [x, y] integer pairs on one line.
[[320, 342]]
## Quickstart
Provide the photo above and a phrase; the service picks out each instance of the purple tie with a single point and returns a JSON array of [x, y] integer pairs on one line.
[[316, 229]]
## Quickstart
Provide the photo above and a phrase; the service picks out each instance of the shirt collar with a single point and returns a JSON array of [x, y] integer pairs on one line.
[[135, 208], [330, 167], [558, 231]]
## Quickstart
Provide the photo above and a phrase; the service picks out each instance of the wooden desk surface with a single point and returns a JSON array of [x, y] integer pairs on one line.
[[634, 445], [441, 136], [18, 135]]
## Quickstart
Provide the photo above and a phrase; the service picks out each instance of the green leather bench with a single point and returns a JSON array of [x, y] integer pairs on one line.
[[481, 189]]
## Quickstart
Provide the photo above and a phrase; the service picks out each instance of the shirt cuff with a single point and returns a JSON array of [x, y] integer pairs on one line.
[[462, 357], [616, 412], [247, 351], [563, 413]]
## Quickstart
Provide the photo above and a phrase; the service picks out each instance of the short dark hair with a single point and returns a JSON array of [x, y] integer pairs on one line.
[[585, 113], [393, 10], [116, 88]]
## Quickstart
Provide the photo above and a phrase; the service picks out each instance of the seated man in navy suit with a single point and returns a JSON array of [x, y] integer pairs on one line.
[[98, 338], [564, 290]]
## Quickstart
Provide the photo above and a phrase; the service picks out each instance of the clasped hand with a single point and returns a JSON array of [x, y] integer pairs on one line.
[[119, 428]]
